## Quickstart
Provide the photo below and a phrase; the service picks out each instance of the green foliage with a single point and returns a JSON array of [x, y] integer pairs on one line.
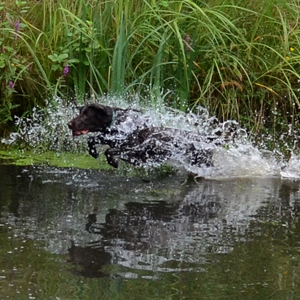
[[25, 158], [238, 60], [22, 77]]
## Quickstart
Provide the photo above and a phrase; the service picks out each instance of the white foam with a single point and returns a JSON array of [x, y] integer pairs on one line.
[[234, 155]]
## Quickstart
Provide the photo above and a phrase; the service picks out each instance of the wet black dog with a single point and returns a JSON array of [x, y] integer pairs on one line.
[[137, 142]]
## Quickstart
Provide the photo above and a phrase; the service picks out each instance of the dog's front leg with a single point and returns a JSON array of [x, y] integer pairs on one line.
[[109, 153], [92, 142]]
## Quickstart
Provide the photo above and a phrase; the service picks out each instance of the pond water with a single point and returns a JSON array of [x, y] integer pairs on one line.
[[68, 233]]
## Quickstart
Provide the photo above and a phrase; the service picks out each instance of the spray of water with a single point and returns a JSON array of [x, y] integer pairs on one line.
[[234, 155], [46, 128]]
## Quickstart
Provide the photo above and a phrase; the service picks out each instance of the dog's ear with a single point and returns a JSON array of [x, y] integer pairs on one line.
[[104, 113], [80, 108]]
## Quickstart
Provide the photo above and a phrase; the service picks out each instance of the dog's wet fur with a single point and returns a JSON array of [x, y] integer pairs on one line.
[[142, 145]]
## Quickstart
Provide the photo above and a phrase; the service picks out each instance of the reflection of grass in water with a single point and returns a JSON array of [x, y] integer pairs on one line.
[[25, 158], [146, 172], [25, 267]]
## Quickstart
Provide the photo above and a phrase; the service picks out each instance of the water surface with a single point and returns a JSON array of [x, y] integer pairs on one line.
[[88, 234]]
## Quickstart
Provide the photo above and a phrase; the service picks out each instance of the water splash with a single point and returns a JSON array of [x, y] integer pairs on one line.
[[46, 128], [234, 154]]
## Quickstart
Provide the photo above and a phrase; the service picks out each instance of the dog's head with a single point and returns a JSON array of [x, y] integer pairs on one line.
[[92, 118]]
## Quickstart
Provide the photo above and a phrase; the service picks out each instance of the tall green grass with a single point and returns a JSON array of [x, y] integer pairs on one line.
[[239, 60]]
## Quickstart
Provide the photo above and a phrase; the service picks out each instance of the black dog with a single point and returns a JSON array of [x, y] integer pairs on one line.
[[135, 140]]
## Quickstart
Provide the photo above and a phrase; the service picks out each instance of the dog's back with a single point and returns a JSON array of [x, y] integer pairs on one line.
[[133, 138]]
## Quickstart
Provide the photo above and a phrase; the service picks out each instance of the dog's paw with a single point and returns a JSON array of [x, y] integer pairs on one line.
[[112, 161], [110, 157], [92, 147], [93, 152]]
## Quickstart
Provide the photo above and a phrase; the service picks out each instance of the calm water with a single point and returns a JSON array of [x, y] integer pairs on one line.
[[77, 234]]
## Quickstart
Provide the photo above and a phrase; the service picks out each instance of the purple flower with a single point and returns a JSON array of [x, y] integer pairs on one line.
[[188, 43], [11, 85], [17, 27], [66, 70]]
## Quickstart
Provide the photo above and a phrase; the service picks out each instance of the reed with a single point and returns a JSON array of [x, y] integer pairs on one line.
[[239, 60]]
